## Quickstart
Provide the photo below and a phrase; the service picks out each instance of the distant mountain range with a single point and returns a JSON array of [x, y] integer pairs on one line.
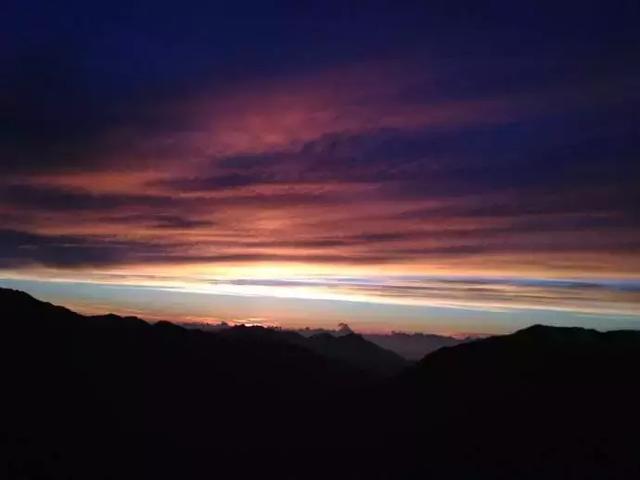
[[343, 346], [410, 346], [352, 349], [414, 346], [116, 397]]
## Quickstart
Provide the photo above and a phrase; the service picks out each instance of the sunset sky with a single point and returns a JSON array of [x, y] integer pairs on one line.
[[450, 169]]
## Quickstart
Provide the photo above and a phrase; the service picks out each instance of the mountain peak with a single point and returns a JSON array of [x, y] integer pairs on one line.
[[9, 294], [559, 334], [539, 328]]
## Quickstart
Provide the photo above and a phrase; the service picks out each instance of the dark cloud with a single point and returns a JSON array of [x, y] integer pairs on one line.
[[159, 221], [523, 246], [20, 248], [128, 88], [572, 151], [74, 74], [61, 199], [180, 223], [329, 258], [219, 182], [603, 209], [24, 248]]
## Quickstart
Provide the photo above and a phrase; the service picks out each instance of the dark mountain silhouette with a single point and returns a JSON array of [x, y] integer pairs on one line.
[[116, 397], [410, 346], [83, 386], [539, 353], [544, 402], [355, 350], [350, 349], [413, 346]]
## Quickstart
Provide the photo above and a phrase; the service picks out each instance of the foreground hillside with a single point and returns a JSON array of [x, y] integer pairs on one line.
[[114, 397]]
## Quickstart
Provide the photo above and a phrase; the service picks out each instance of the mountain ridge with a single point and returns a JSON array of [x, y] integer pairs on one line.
[[366, 356], [136, 400]]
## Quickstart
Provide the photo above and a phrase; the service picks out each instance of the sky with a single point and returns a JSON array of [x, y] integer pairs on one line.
[[415, 166]]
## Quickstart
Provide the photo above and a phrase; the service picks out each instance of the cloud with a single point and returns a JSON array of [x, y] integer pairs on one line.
[[45, 198], [126, 145], [24, 249], [505, 293], [161, 221], [219, 182]]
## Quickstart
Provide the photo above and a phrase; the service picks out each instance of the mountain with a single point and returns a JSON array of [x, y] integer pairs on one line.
[[351, 349], [80, 385], [87, 389], [538, 354], [410, 346], [544, 402], [355, 350], [413, 346], [116, 397]]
